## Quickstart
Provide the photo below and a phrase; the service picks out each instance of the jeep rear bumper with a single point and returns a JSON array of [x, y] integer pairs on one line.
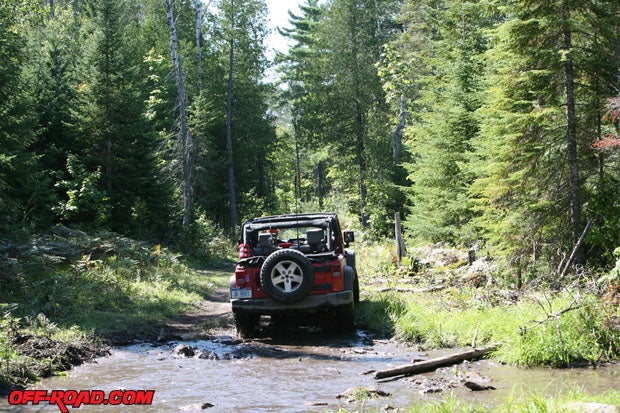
[[310, 302]]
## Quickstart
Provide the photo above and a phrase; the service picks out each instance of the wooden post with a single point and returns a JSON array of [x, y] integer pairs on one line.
[[400, 243]]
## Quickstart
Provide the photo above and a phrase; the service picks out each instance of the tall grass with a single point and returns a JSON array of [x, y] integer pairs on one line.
[[532, 331], [535, 326]]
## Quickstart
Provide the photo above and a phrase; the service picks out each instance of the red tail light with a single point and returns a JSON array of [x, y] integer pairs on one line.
[[244, 251]]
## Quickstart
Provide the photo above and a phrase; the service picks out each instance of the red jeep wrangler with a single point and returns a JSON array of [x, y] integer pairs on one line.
[[297, 263]]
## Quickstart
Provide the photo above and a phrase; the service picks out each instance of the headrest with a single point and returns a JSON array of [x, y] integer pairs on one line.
[[314, 236]]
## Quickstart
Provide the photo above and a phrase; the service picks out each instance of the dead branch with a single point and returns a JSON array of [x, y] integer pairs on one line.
[[473, 340], [433, 364], [575, 249], [554, 316]]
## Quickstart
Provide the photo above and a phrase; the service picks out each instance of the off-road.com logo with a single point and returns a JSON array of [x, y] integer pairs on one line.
[[75, 398]]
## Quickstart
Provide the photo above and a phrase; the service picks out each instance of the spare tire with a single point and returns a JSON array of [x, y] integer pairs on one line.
[[287, 276]]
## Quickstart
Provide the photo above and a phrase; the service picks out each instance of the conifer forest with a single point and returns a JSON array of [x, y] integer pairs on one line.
[[487, 124]]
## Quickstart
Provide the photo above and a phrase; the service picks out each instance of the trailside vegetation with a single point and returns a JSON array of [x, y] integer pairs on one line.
[[72, 294], [441, 302], [491, 126]]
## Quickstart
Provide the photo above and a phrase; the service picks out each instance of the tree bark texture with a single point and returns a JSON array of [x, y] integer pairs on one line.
[[199, 13], [320, 190], [359, 117]]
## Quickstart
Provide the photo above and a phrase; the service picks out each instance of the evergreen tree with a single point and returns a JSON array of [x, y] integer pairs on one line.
[[114, 134], [445, 40], [56, 94], [300, 76], [240, 27], [338, 100], [23, 188], [535, 151]]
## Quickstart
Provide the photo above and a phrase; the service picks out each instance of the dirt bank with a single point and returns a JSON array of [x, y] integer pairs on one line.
[[39, 355], [42, 356]]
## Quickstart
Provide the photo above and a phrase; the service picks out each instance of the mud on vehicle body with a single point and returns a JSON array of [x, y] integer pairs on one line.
[[294, 264]]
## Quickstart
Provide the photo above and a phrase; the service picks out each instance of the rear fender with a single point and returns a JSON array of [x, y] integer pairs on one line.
[[347, 278], [350, 257]]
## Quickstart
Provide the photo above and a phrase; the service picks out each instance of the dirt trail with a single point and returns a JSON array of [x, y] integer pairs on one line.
[[212, 316]]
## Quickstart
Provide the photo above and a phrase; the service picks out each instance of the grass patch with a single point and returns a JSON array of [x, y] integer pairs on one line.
[[532, 330], [110, 296], [535, 327], [65, 291], [569, 401]]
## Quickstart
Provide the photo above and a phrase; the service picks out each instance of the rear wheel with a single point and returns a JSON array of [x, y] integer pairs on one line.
[[246, 324], [287, 276], [346, 318]]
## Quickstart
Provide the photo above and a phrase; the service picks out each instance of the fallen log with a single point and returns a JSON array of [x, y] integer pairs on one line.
[[433, 364], [412, 290]]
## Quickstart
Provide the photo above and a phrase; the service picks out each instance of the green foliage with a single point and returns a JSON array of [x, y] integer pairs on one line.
[[340, 125], [109, 285], [444, 87], [530, 331], [85, 199], [484, 154], [23, 187], [379, 313], [205, 241]]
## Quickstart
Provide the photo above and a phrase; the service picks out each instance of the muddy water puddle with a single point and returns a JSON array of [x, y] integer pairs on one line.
[[299, 372]]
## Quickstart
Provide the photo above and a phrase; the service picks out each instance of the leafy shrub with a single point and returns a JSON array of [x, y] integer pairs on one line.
[[206, 242]]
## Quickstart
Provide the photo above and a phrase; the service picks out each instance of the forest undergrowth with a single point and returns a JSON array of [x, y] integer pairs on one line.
[[436, 300], [66, 296]]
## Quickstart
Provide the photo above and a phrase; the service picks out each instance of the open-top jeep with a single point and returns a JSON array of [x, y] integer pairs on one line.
[[294, 264]]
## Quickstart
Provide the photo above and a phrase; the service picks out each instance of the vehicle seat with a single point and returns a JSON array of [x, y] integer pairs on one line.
[[265, 245], [315, 240]]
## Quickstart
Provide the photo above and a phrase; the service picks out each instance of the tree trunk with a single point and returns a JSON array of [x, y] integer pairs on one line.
[[52, 10], [433, 364], [184, 135], [229, 149], [600, 156], [571, 131], [400, 243], [359, 119], [199, 14], [397, 135], [321, 183]]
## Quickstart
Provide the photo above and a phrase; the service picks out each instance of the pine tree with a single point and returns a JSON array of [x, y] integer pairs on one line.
[[239, 31], [114, 134], [338, 100], [444, 87], [535, 152], [23, 187]]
